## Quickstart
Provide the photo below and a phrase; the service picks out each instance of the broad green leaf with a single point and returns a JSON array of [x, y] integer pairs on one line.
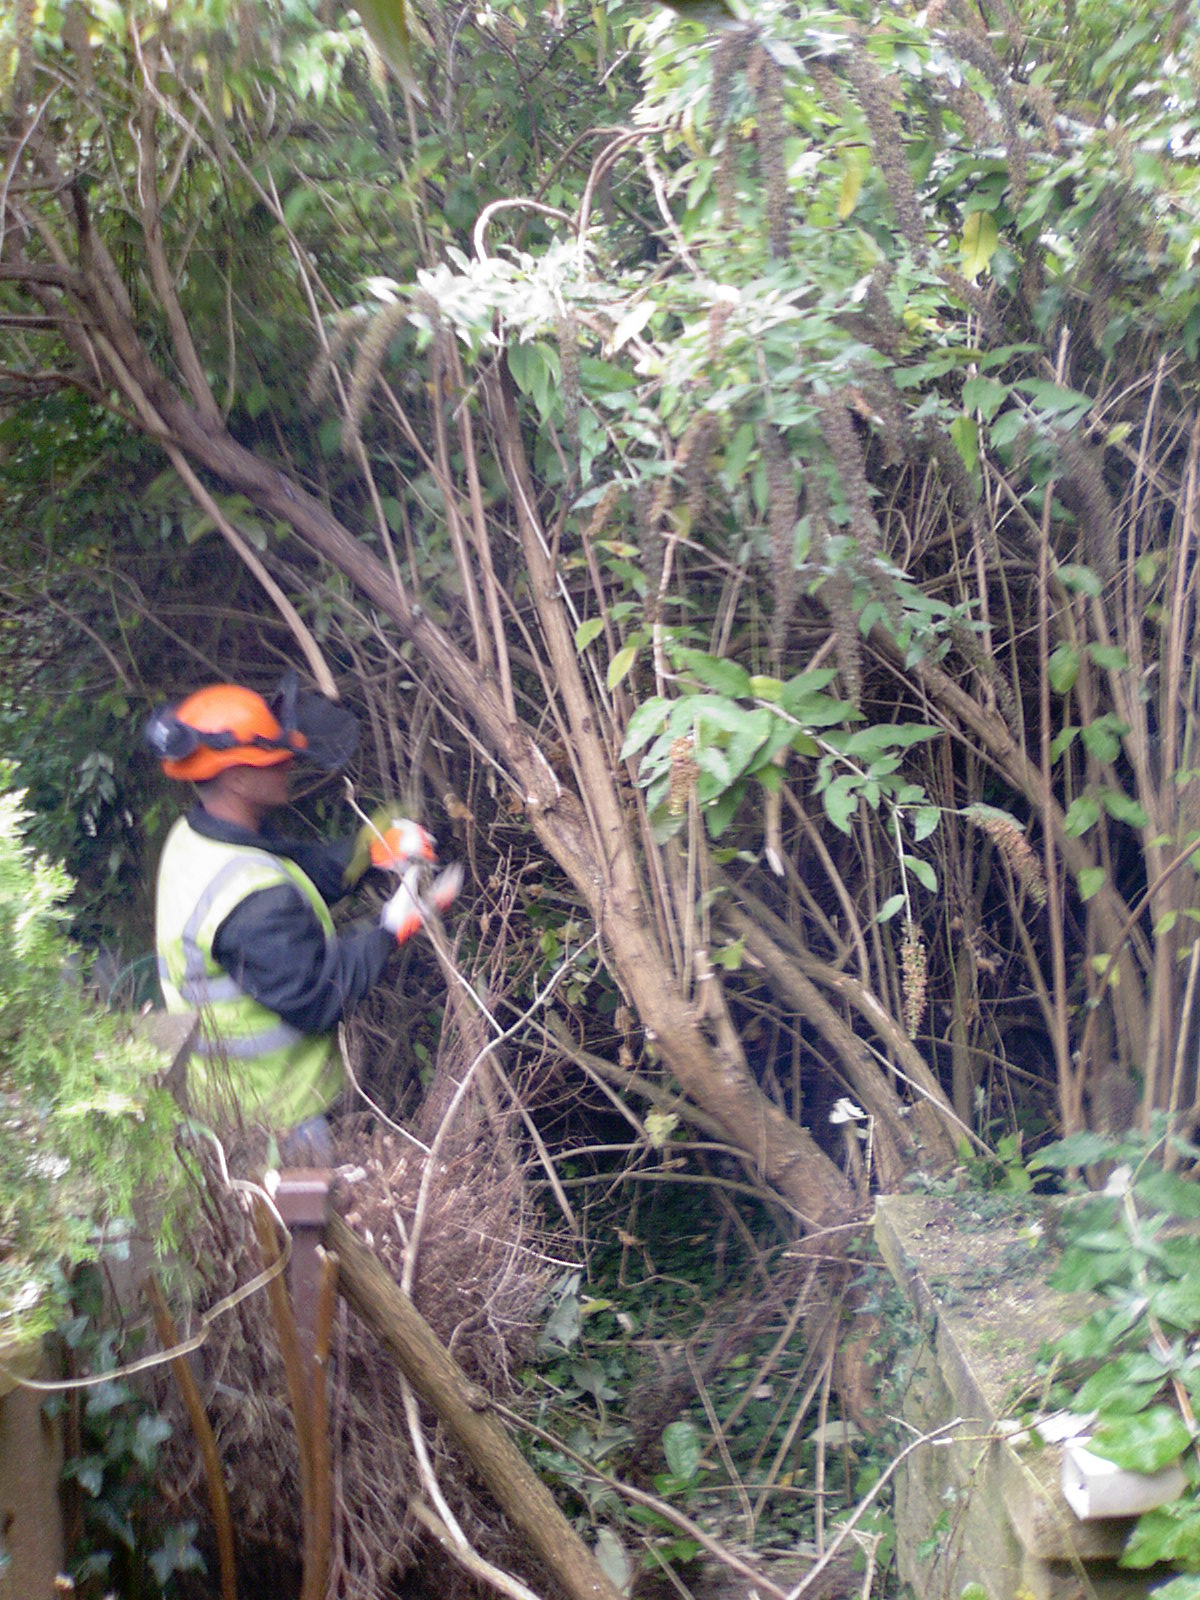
[[980, 236], [738, 454], [1091, 881], [853, 173], [587, 631], [644, 724], [925, 822], [1147, 1442], [683, 1448], [620, 664], [1168, 1533], [1102, 739], [889, 908], [1063, 668], [965, 433], [1124, 808], [1109, 656], [1074, 576], [1052, 399], [715, 672], [984, 395], [387, 23], [840, 800], [1167, 1191], [922, 872], [1082, 814], [766, 688]]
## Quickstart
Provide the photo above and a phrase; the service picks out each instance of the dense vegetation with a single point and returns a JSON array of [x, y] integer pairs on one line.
[[744, 474]]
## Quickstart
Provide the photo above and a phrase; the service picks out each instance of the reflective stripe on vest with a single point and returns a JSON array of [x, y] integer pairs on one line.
[[277, 1074]]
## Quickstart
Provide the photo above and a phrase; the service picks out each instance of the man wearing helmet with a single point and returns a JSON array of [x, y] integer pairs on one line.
[[242, 922]]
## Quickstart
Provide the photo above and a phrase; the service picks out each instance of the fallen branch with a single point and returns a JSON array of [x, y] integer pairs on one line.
[[465, 1411]]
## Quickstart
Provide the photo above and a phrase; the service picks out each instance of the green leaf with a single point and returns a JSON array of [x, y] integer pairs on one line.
[[1124, 808], [1091, 881], [984, 395], [644, 724], [1052, 400], [1101, 739], [922, 872], [889, 908], [683, 1448], [1147, 1442], [1082, 814], [980, 237], [620, 664], [715, 672], [925, 822], [965, 433], [587, 631], [1168, 1533], [738, 454], [841, 801], [1063, 668], [1109, 656], [1081, 579]]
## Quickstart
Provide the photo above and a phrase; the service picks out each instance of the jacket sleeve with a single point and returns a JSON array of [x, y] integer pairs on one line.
[[274, 947], [321, 861]]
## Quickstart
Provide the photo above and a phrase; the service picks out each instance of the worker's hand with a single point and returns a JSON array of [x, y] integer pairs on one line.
[[369, 840], [404, 914], [401, 842], [360, 858]]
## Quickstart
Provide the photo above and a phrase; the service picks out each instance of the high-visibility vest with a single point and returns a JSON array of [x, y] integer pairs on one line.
[[276, 1074]]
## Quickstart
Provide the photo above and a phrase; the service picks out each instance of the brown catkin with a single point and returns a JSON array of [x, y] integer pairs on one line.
[[836, 595], [340, 331], [1084, 491], [371, 350], [782, 508], [605, 507], [684, 773], [1009, 838], [719, 314], [914, 971], [691, 464], [567, 333], [978, 53], [766, 84], [887, 136]]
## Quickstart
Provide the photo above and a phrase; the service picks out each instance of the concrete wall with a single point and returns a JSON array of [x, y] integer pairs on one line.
[[31, 1524]]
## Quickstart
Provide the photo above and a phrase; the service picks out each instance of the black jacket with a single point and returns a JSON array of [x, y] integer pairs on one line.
[[273, 945]]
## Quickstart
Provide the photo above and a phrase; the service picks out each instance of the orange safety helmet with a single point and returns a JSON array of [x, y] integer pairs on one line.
[[219, 727]]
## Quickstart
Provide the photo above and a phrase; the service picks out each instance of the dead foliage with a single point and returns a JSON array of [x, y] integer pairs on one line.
[[480, 1277]]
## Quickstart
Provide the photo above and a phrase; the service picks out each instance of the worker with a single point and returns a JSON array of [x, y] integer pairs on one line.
[[242, 923]]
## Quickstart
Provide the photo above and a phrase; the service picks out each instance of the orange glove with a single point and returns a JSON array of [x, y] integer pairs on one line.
[[400, 843], [404, 914]]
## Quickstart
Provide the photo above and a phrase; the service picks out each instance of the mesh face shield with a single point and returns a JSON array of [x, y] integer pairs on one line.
[[330, 731]]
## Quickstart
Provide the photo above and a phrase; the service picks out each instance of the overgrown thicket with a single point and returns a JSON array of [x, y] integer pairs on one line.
[[745, 480]]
